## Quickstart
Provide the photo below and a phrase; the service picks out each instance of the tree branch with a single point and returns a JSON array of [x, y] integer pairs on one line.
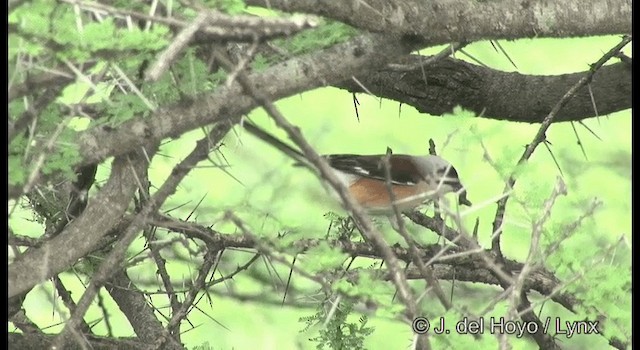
[[439, 87], [441, 22], [82, 234], [540, 280], [116, 256], [134, 306]]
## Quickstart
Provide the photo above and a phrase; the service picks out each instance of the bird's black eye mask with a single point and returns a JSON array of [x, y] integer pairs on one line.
[[449, 176]]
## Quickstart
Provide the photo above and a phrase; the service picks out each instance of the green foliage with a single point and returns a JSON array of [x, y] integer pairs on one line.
[[16, 108], [323, 36], [232, 7], [152, 40], [73, 41], [66, 153], [341, 227], [203, 346], [579, 260], [337, 333], [125, 107], [608, 289], [260, 62], [367, 287], [17, 171], [57, 157], [17, 148], [18, 46], [191, 74], [324, 257]]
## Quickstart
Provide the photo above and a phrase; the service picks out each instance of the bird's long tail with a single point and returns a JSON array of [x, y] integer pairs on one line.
[[273, 141]]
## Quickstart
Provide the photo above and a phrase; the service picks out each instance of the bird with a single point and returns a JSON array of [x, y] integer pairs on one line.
[[414, 179]]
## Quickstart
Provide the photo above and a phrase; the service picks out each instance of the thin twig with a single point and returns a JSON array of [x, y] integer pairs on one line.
[[221, 26], [534, 246], [198, 285], [540, 136], [427, 271], [424, 62]]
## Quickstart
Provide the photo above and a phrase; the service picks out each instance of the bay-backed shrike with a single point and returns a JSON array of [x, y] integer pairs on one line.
[[414, 179]]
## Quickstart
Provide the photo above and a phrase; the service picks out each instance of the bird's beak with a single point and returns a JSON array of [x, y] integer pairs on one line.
[[462, 198], [462, 192]]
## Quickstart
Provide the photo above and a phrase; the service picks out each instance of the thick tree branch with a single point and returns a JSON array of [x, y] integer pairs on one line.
[[82, 234], [134, 306], [438, 88], [445, 21]]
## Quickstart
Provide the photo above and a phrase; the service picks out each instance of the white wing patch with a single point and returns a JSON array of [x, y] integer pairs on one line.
[[360, 170], [364, 172]]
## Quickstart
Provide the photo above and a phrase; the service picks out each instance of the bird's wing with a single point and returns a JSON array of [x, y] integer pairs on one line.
[[402, 170]]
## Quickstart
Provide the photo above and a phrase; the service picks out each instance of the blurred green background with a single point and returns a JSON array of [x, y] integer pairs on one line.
[[261, 186]]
